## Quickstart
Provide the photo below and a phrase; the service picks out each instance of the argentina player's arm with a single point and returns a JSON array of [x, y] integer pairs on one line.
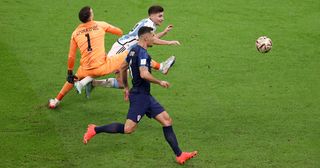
[[157, 36], [165, 31], [158, 41]]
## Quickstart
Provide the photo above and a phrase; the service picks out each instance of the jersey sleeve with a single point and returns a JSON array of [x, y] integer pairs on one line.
[[72, 53], [149, 23], [110, 28], [143, 59]]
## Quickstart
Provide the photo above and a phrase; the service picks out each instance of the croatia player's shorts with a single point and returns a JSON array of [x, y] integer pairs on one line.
[[141, 104]]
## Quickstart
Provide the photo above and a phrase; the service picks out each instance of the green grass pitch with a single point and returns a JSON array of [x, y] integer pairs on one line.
[[237, 107]]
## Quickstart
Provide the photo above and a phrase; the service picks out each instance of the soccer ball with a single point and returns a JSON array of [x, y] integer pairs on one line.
[[263, 44]]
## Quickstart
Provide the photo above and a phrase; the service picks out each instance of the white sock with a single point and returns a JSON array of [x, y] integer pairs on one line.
[[109, 83], [85, 81], [161, 66]]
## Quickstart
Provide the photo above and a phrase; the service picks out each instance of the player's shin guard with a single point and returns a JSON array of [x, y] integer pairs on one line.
[[111, 128], [172, 140]]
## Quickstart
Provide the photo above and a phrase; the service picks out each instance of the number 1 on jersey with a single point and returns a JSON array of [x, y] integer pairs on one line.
[[89, 43]]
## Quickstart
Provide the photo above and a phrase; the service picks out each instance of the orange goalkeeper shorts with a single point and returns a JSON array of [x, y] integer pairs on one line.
[[111, 65]]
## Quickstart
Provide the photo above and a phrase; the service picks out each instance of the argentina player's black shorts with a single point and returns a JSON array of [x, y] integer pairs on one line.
[[141, 104]]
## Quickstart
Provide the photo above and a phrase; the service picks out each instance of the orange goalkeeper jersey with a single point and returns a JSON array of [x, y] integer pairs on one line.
[[89, 38]]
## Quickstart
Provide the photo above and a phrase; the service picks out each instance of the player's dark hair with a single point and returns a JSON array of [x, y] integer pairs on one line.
[[143, 30], [85, 14], [155, 9]]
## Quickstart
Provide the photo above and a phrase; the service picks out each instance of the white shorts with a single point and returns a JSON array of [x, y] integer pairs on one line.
[[118, 48]]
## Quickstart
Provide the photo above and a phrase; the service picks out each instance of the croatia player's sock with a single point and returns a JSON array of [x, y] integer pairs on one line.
[[110, 128], [156, 65], [171, 139], [65, 89]]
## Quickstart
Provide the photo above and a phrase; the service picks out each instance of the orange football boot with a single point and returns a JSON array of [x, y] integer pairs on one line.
[[185, 156], [89, 134]]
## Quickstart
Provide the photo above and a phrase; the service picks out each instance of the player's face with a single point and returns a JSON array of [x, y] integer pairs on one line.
[[158, 18]]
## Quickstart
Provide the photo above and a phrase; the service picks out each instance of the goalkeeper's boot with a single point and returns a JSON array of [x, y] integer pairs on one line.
[[89, 88], [166, 65], [89, 134], [53, 103], [185, 156], [78, 87]]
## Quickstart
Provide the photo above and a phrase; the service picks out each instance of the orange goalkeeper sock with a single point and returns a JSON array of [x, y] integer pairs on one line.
[[65, 89], [155, 65]]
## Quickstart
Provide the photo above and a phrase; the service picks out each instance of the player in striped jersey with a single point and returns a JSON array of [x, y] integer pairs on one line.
[[127, 41]]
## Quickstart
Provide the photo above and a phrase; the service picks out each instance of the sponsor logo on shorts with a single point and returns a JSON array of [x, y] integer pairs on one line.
[[138, 117]]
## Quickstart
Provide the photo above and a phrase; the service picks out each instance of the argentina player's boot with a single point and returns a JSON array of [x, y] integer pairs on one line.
[[166, 65]]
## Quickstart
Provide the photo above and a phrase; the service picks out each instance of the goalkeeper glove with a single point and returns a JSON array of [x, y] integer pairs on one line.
[[71, 77]]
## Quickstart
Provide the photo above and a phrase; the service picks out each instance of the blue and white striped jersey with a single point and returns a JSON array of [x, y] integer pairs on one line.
[[133, 34]]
